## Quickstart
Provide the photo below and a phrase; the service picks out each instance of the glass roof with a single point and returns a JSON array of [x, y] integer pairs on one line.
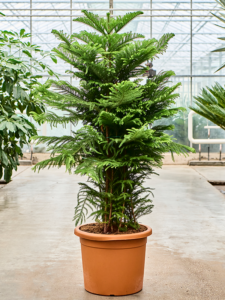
[[189, 52], [192, 22]]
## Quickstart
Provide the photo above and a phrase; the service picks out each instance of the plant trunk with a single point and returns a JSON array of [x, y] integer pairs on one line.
[[124, 168], [110, 212], [106, 202], [132, 207], [107, 185]]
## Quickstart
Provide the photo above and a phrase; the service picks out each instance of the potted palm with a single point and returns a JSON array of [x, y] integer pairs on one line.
[[117, 148]]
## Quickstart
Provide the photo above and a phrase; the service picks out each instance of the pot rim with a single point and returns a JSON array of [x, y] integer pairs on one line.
[[109, 237]]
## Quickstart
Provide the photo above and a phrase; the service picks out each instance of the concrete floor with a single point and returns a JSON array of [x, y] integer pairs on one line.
[[40, 256], [213, 173], [14, 174]]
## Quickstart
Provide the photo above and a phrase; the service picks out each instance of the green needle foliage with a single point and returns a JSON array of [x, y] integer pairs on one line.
[[211, 104], [16, 96], [115, 148]]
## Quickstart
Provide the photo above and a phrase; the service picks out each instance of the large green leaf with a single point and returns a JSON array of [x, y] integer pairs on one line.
[[3, 125], [4, 158], [10, 126], [21, 127]]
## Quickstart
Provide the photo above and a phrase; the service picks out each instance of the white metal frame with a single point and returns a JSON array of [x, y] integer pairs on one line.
[[201, 141]]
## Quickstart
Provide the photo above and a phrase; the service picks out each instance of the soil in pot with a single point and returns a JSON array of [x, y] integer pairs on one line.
[[98, 228]]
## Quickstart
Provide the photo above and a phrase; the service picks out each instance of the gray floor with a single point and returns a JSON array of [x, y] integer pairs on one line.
[[40, 256], [213, 173], [189, 213]]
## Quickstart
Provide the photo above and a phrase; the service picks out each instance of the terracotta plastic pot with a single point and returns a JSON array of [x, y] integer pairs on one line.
[[113, 265]]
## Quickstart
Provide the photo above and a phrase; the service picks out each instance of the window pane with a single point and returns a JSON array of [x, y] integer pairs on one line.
[[180, 120], [199, 132]]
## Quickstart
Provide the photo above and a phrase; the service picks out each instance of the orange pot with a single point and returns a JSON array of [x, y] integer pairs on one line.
[[113, 265]]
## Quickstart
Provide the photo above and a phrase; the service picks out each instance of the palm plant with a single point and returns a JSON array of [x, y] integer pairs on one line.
[[115, 148], [211, 102]]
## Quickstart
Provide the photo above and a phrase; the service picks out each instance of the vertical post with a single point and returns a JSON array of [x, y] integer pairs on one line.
[[71, 29], [210, 63], [111, 7], [31, 29], [191, 28], [44, 129], [199, 149], [71, 13], [31, 6], [208, 138], [151, 19], [220, 151]]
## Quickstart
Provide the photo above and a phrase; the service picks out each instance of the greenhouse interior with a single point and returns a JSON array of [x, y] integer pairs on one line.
[[112, 149]]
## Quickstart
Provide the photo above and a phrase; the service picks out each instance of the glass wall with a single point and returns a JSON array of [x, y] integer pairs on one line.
[[189, 52]]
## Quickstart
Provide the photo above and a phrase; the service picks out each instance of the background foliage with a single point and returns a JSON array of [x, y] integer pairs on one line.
[[16, 95], [211, 102]]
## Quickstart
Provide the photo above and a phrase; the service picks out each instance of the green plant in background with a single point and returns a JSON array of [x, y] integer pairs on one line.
[[115, 148], [211, 103], [16, 96], [180, 122]]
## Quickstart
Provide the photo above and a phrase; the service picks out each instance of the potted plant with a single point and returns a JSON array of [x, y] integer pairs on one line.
[[115, 148], [16, 97]]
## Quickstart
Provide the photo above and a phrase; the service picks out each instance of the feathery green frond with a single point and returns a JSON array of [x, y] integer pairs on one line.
[[121, 21], [162, 44], [115, 148], [211, 105], [93, 21]]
